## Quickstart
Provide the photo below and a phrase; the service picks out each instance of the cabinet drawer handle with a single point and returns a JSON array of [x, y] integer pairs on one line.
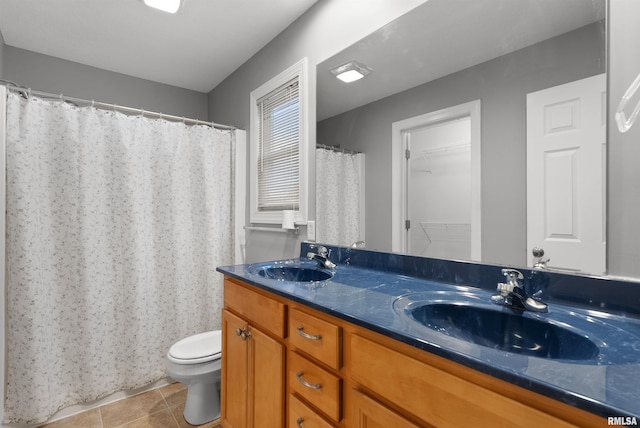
[[307, 384], [299, 422], [307, 336]]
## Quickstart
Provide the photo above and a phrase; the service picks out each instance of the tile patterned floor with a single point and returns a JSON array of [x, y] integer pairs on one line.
[[159, 408]]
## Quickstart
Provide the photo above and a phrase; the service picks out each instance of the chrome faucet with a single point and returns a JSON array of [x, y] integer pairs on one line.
[[322, 257], [512, 293]]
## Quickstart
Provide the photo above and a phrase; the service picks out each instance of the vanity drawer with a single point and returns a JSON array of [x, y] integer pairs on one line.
[[315, 384], [367, 412], [301, 415], [256, 308], [316, 337], [443, 399]]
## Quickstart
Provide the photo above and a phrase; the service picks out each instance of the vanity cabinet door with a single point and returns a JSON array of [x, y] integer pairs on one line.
[[252, 393], [266, 380], [368, 413], [235, 373]]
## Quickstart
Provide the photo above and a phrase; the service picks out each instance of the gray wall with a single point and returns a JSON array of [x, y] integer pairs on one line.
[[50, 74], [501, 85], [623, 216]]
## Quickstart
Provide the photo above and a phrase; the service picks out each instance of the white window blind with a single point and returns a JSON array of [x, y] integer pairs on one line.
[[279, 148]]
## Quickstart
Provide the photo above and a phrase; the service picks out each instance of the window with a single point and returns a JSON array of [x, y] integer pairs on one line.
[[279, 149], [279, 154]]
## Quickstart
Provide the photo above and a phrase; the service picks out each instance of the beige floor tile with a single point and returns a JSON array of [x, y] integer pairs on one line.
[[161, 419], [88, 419], [174, 394], [133, 408], [212, 424], [160, 408], [178, 412]]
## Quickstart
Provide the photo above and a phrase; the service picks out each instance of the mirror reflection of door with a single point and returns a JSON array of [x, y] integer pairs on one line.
[[566, 159], [437, 183], [438, 187]]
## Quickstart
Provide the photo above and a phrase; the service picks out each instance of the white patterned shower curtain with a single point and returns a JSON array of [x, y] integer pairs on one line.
[[339, 197], [115, 225]]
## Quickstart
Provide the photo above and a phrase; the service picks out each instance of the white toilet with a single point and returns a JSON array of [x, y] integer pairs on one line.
[[195, 362]]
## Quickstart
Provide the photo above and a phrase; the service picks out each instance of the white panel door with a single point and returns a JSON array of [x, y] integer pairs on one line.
[[566, 169]]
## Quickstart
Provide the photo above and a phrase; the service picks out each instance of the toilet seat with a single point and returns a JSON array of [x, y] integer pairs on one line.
[[199, 348]]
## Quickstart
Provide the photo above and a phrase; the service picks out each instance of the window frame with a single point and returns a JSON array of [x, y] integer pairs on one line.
[[299, 70]]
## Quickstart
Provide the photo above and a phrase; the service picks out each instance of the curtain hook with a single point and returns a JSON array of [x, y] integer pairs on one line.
[[142, 112], [115, 108], [184, 120], [93, 103]]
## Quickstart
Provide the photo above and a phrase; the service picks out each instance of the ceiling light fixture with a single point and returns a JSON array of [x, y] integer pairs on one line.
[[170, 6], [351, 71]]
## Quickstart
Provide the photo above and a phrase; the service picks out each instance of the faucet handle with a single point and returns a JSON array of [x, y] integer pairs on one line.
[[503, 290], [321, 249], [512, 275]]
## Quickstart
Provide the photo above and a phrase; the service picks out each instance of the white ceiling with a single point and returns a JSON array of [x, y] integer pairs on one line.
[[197, 48]]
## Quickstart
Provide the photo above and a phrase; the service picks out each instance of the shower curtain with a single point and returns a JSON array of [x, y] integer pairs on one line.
[[115, 225], [339, 191]]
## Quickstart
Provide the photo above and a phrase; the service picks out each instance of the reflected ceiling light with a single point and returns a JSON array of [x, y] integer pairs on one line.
[[170, 6], [351, 71]]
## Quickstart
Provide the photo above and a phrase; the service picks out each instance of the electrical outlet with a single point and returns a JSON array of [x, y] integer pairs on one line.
[[311, 230]]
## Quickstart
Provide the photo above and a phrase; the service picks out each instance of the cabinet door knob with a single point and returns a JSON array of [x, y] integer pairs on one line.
[[243, 333], [307, 384], [299, 422], [302, 333]]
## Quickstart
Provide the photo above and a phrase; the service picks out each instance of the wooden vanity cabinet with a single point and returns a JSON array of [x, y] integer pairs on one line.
[[336, 374]]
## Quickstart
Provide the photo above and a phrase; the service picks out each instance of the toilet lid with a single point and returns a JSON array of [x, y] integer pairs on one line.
[[198, 348]]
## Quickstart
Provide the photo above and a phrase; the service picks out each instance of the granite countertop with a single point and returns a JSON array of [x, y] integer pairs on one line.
[[606, 385]]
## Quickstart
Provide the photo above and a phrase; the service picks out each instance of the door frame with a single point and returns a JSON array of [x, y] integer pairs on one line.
[[398, 171]]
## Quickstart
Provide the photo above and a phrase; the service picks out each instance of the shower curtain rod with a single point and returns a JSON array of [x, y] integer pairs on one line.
[[337, 149], [27, 92]]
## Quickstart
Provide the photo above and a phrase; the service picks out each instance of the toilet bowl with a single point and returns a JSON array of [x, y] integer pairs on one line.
[[195, 362]]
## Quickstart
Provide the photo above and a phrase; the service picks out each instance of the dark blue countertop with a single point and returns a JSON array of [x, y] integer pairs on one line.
[[366, 285]]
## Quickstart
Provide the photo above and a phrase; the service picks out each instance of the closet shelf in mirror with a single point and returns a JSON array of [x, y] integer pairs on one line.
[[460, 232], [271, 229], [446, 149]]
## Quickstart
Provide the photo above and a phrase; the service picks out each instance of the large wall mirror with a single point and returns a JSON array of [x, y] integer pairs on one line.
[[489, 97]]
